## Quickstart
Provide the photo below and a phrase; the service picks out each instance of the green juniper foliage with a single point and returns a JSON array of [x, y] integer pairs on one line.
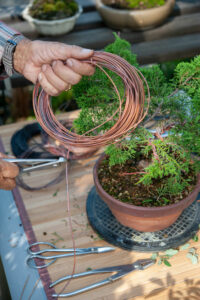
[[169, 162], [53, 9]]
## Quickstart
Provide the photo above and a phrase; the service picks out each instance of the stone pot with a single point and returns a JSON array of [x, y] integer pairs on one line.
[[134, 19], [146, 219], [52, 27]]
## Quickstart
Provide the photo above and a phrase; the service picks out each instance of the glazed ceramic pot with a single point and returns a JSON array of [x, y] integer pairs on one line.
[[146, 219], [134, 19], [51, 27]]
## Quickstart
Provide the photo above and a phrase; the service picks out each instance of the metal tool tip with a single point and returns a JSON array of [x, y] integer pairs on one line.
[[105, 249]]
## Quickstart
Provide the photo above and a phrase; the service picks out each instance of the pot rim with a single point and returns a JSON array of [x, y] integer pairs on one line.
[[136, 11], [141, 208], [27, 16]]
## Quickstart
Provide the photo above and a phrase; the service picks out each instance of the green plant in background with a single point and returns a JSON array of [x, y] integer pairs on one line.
[[136, 4], [53, 9], [187, 116]]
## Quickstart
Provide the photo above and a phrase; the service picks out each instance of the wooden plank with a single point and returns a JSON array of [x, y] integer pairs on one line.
[[89, 20], [169, 49], [186, 7]]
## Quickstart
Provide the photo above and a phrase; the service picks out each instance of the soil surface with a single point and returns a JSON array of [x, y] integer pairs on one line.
[[126, 188]]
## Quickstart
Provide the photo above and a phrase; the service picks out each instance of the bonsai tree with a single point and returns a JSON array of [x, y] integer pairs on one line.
[[53, 9], [152, 170]]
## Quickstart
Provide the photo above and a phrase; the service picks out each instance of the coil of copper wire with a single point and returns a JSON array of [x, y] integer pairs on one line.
[[130, 113]]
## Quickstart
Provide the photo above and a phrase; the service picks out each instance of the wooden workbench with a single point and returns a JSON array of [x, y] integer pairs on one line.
[[47, 211]]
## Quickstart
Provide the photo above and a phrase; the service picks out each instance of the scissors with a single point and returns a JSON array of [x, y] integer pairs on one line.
[[120, 271], [63, 253], [36, 163]]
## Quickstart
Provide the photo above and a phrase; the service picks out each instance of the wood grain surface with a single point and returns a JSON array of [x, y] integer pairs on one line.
[[47, 210]]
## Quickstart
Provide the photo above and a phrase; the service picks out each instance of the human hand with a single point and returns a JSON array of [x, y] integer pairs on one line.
[[8, 172], [56, 66]]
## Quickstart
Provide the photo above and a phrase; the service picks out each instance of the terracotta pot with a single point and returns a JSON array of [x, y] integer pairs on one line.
[[51, 27], [146, 219], [134, 19]]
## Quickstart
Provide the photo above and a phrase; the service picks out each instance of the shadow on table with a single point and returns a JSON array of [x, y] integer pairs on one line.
[[191, 290]]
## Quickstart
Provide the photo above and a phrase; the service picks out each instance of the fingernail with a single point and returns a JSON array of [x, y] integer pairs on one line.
[[54, 63], [69, 62], [44, 67], [40, 77], [86, 51]]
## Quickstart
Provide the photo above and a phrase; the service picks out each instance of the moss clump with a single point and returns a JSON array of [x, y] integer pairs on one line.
[[53, 9], [134, 4]]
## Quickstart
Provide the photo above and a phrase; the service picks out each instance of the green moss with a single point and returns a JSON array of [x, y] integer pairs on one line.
[[136, 4], [53, 9]]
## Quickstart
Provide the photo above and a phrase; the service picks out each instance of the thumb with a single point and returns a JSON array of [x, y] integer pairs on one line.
[[63, 52]]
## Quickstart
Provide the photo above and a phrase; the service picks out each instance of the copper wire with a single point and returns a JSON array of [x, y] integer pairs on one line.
[[130, 113]]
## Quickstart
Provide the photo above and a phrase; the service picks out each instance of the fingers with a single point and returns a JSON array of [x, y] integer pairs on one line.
[[46, 85], [65, 73], [7, 183], [54, 80], [79, 67], [58, 79], [78, 52], [8, 170]]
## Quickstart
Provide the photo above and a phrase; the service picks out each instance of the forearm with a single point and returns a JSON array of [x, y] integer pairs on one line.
[[21, 55]]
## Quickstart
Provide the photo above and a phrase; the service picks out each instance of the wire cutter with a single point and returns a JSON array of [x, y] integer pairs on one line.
[[36, 163], [120, 271], [63, 253]]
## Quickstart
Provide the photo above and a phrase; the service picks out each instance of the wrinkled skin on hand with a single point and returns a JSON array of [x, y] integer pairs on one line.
[[8, 172], [55, 65]]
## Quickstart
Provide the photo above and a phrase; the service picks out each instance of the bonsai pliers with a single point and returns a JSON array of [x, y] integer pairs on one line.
[[55, 253], [35, 164], [120, 271]]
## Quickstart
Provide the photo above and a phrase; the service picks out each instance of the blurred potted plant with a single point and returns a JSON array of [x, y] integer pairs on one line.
[[52, 17], [134, 14], [146, 181]]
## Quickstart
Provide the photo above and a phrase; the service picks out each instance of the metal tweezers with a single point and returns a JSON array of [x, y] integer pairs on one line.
[[64, 253], [36, 163], [122, 270]]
